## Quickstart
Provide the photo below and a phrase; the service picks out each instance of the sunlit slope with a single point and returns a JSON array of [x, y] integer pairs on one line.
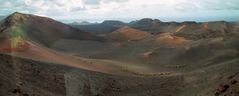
[[28, 49], [127, 33]]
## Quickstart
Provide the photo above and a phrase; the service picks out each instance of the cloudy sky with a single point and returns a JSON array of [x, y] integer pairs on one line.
[[167, 10]]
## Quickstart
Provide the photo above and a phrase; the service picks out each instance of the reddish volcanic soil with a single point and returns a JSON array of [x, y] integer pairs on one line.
[[31, 50], [127, 33], [6, 46], [169, 39], [205, 26]]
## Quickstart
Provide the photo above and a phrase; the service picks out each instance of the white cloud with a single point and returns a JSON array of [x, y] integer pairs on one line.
[[89, 9], [6, 4]]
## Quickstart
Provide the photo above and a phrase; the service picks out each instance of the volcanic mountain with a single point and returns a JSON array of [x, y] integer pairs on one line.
[[200, 61], [126, 33], [113, 23], [41, 29], [154, 25], [28, 68], [22, 36], [106, 26]]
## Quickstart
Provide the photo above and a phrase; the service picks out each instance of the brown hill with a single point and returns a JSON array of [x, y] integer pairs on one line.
[[128, 33], [41, 29], [24, 35], [169, 39], [28, 49]]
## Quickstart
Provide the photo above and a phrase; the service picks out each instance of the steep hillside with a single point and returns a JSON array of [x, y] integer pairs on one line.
[[26, 44], [41, 29], [24, 48]]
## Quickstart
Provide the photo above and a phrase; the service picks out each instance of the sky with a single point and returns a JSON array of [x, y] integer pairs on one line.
[[126, 10]]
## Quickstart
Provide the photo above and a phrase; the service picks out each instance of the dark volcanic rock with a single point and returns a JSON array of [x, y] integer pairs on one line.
[[112, 23]]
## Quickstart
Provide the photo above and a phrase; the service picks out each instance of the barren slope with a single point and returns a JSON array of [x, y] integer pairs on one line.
[[127, 33]]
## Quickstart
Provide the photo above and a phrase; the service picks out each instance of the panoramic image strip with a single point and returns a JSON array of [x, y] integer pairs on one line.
[[119, 48]]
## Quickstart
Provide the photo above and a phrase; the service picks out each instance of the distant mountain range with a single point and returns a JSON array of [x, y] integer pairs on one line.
[[104, 27], [157, 26], [81, 23]]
